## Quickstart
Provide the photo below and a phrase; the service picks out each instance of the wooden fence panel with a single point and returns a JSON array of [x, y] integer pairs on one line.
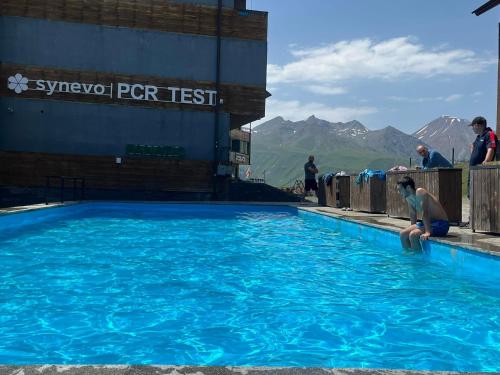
[[342, 191], [336, 194], [485, 199], [368, 196]]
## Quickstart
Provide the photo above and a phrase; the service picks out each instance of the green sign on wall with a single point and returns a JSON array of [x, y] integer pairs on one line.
[[167, 152]]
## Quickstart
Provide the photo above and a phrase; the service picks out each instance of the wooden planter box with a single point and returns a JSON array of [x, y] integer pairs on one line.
[[335, 195], [369, 196], [444, 183], [485, 199], [341, 186], [322, 192]]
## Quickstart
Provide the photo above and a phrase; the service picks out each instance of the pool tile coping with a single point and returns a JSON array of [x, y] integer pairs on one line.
[[203, 370]]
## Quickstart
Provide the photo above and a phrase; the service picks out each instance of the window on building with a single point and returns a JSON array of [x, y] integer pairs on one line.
[[244, 147]]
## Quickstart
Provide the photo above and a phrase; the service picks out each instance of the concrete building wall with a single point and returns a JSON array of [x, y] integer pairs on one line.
[[99, 129], [130, 51]]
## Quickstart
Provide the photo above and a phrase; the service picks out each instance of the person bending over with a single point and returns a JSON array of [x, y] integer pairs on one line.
[[432, 158], [421, 204]]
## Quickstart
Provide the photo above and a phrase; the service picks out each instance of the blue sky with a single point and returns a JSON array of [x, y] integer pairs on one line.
[[382, 62]]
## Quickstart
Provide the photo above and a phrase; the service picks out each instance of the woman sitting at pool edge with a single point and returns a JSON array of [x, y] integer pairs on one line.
[[422, 204]]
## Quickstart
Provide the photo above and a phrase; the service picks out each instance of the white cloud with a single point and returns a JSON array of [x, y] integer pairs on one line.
[[326, 90], [294, 110], [367, 59], [449, 98], [453, 98]]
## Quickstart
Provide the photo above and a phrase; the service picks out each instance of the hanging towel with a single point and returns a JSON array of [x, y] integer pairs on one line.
[[369, 173]]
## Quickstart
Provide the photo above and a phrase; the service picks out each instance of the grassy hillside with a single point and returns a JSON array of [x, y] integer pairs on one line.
[[280, 148], [283, 168]]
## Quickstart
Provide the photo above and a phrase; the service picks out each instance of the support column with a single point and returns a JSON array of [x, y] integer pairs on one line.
[[498, 84]]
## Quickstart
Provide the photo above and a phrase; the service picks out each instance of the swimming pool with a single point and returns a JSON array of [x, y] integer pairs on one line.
[[237, 285]]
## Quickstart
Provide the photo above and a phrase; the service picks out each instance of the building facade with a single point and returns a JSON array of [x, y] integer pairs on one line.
[[129, 94]]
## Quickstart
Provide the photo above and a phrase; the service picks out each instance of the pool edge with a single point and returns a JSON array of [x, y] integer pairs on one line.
[[492, 251], [205, 370]]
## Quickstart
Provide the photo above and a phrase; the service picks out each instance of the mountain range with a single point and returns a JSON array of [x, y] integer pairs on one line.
[[447, 133], [281, 147]]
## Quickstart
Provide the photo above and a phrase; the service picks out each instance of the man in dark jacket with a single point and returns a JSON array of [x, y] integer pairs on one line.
[[484, 148], [310, 171], [432, 158]]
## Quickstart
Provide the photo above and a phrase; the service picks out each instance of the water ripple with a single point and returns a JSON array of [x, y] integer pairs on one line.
[[235, 286]]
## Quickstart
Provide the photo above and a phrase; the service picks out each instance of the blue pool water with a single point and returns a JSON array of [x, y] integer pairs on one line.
[[238, 285]]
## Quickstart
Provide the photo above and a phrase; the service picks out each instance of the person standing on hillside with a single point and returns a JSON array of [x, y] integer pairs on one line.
[[310, 171], [432, 158]]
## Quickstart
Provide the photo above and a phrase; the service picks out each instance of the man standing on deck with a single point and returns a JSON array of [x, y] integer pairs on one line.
[[422, 204], [484, 148], [310, 171]]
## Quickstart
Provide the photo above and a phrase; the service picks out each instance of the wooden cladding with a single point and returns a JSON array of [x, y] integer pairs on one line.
[[159, 15], [485, 199], [368, 196], [337, 194], [240, 135], [28, 169], [98, 87]]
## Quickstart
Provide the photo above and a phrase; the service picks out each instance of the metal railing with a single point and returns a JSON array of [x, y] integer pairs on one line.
[[256, 180], [61, 186]]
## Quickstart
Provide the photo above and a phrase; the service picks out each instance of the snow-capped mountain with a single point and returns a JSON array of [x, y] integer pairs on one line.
[[280, 147], [282, 128], [445, 133]]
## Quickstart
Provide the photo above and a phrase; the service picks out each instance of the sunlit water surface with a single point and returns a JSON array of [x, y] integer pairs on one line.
[[235, 285]]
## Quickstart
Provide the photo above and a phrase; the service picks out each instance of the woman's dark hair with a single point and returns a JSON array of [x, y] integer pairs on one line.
[[407, 181]]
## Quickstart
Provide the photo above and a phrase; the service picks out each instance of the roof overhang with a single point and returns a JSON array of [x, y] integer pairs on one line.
[[486, 7]]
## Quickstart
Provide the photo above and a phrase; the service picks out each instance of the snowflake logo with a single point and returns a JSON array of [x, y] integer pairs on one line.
[[18, 83]]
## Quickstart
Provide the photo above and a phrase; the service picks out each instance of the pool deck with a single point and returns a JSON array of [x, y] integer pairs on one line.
[[209, 370]]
